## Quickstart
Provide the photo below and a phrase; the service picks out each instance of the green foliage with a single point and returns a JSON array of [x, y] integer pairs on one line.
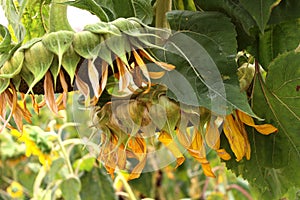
[[276, 156], [97, 185], [211, 60], [111, 10]]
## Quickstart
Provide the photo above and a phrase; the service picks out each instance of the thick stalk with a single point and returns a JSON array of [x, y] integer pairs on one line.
[[58, 16], [162, 7]]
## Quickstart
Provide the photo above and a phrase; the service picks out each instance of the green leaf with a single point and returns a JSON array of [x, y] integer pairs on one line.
[[86, 44], [13, 66], [70, 61], [70, 188], [285, 11], [84, 164], [275, 159], [239, 15], [114, 9], [277, 39], [58, 43], [260, 10], [97, 185], [91, 6], [102, 28], [205, 73], [14, 18], [123, 8], [55, 169], [120, 46], [37, 61], [4, 83], [5, 42], [143, 10]]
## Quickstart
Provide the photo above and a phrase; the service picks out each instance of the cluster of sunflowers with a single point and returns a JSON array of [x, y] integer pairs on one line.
[[130, 126]]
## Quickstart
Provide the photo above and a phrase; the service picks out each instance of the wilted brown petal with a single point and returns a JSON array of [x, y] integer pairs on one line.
[[124, 75], [94, 77], [49, 93], [104, 76], [64, 85], [35, 104], [83, 87], [168, 141], [143, 67]]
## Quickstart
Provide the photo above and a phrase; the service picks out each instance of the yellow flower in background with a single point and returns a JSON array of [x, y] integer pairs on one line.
[[15, 190], [32, 148]]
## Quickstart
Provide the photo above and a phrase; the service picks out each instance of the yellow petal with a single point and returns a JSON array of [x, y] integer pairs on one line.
[[264, 129], [156, 75], [167, 140], [247, 143], [137, 170], [234, 137], [212, 136], [197, 148], [143, 67], [223, 154], [207, 170]]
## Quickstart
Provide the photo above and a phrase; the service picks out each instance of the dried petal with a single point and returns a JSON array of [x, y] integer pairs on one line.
[[49, 93], [264, 129], [156, 75], [64, 85], [223, 154], [235, 137], [167, 140], [143, 67]]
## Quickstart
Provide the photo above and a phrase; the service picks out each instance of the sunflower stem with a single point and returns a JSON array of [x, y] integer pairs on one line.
[[162, 7], [58, 16]]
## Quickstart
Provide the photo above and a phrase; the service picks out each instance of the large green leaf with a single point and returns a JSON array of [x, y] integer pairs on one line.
[[231, 8], [13, 66], [286, 10], [205, 72], [70, 61], [111, 10], [275, 159], [86, 44], [260, 10], [58, 43], [143, 10], [4, 83], [277, 39], [96, 184], [91, 6], [5, 40], [37, 61], [70, 188], [14, 19]]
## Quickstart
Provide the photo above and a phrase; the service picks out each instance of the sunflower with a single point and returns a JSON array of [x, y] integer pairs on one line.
[[15, 190], [35, 144]]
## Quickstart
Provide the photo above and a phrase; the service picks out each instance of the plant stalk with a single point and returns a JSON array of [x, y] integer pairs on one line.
[[58, 16], [162, 7]]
